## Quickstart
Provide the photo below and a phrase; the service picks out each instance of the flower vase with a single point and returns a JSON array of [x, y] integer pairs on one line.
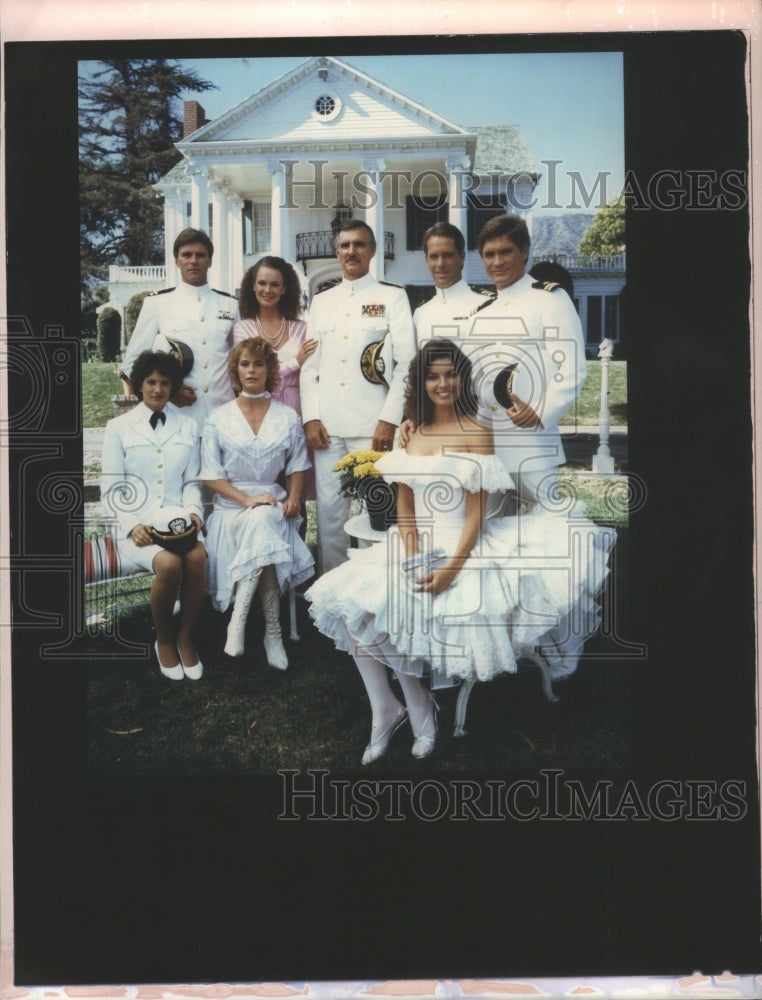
[[380, 501]]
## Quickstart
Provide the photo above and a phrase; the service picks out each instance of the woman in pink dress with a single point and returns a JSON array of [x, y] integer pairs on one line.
[[269, 304]]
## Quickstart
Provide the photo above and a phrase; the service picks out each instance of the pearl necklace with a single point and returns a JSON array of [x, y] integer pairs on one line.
[[266, 336], [255, 395]]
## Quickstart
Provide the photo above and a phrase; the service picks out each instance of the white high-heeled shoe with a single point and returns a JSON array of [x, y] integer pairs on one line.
[[378, 747], [427, 738], [173, 673]]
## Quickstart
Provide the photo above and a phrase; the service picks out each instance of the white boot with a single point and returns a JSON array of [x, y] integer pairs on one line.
[[244, 593], [269, 595]]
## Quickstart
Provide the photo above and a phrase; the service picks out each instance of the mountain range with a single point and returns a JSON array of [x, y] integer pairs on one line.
[[559, 233]]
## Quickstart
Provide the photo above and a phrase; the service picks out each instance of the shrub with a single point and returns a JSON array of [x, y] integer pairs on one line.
[[131, 313], [109, 332]]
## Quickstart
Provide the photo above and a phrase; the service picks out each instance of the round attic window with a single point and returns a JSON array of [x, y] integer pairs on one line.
[[326, 107]]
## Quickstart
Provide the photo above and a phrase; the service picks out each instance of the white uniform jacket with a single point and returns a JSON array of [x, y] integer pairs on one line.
[[203, 319], [144, 469], [448, 313], [538, 330], [344, 320]]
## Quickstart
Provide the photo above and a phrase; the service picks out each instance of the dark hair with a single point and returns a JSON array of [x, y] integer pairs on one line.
[[257, 348], [291, 299], [348, 224], [448, 231], [418, 406], [155, 361], [550, 270], [192, 236], [505, 225]]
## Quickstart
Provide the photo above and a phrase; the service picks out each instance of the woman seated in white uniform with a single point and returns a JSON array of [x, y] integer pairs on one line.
[[253, 531], [150, 466], [450, 596]]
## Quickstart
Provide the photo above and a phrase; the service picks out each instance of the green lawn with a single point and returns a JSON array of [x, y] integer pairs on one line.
[[589, 402], [100, 382]]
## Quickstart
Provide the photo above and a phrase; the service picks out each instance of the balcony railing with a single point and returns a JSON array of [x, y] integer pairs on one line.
[[579, 262], [151, 272], [321, 245]]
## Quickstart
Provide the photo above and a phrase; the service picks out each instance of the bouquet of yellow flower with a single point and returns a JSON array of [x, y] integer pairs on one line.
[[356, 469], [361, 481]]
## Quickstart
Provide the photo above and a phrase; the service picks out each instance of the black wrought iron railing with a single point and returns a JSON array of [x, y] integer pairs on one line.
[[320, 245]]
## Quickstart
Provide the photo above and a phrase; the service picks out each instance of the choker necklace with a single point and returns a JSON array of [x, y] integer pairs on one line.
[[275, 337], [255, 395]]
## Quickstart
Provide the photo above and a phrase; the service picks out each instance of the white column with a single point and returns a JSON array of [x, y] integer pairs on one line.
[[457, 212], [235, 243], [199, 198], [278, 211], [374, 215], [220, 261], [174, 222]]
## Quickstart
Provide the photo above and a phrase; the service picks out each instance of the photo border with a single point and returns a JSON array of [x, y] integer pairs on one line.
[[68, 452]]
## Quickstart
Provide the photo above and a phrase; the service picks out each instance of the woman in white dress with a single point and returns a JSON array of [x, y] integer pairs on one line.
[[450, 595], [253, 531], [151, 460]]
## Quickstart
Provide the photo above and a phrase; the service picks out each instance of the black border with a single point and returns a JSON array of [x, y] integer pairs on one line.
[[194, 880]]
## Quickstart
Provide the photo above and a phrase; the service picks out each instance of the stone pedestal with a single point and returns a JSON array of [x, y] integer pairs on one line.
[[123, 403]]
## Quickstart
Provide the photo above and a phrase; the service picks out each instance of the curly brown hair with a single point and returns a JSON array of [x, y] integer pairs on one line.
[[257, 347], [418, 406], [289, 305], [155, 361]]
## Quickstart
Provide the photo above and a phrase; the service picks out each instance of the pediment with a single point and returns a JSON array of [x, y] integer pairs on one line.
[[324, 100]]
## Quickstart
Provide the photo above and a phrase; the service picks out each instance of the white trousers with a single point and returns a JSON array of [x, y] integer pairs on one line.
[[332, 507]]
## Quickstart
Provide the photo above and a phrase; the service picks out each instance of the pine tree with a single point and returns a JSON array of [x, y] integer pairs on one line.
[[130, 118]]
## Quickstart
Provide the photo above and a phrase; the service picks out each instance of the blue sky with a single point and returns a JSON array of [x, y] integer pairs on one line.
[[569, 106]]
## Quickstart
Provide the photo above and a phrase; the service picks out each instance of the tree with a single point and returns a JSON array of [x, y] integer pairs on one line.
[[130, 118], [606, 233]]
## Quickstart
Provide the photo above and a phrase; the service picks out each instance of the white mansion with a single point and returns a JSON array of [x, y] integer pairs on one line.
[[325, 142]]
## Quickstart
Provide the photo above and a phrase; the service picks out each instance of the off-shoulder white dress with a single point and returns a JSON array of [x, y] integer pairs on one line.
[[525, 575]]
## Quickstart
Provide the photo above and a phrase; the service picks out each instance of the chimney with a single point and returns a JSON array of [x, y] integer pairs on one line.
[[194, 117]]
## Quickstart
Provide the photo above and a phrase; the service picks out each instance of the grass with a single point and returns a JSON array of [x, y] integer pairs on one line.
[[589, 401], [100, 382], [244, 718]]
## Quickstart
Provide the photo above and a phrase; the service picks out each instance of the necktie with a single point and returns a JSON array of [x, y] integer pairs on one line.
[[159, 415]]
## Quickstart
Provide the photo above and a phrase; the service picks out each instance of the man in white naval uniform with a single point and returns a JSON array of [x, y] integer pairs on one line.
[[534, 326], [448, 313], [352, 387], [196, 315]]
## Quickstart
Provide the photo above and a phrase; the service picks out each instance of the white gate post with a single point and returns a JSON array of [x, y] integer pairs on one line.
[[603, 461]]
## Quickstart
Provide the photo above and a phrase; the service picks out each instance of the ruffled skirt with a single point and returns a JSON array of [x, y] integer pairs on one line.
[[241, 541], [530, 581]]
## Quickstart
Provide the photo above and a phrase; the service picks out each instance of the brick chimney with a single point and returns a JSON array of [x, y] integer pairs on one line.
[[194, 117]]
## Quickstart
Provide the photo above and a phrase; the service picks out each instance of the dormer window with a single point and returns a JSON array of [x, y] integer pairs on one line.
[[326, 107]]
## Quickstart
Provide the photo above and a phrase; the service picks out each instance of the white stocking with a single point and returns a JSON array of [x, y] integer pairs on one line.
[[383, 703], [420, 704]]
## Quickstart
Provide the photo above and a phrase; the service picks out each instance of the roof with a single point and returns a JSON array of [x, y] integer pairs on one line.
[[502, 148]]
